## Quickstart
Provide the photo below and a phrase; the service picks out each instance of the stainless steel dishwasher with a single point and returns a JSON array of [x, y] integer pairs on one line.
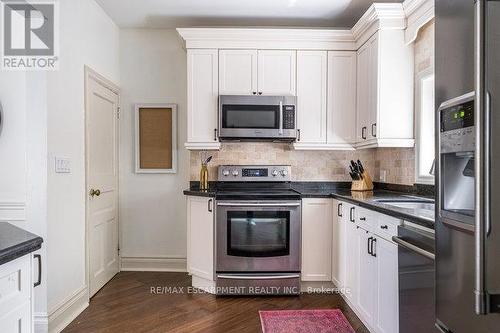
[[416, 278]]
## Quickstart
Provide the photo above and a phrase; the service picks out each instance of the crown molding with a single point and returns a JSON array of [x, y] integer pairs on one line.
[[418, 13], [379, 16], [267, 38]]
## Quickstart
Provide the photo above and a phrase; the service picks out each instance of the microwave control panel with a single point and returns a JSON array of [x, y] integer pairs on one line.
[[289, 117]]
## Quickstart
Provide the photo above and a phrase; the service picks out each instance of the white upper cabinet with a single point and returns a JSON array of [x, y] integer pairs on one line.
[[311, 97], [203, 94], [238, 72], [385, 91], [277, 72], [341, 128], [316, 240]]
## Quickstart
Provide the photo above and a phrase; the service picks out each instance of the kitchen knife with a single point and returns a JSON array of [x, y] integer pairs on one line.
[[361, 168]]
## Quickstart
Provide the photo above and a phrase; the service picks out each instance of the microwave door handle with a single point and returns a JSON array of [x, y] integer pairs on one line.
[[281, 118]]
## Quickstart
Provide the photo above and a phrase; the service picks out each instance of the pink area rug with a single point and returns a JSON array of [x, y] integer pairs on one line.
[[304, 321]]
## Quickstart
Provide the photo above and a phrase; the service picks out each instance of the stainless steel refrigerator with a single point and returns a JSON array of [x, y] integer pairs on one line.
[[468, 166]]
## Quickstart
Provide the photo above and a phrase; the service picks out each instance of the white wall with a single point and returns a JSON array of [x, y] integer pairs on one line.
[[152, 207], [87, 37]]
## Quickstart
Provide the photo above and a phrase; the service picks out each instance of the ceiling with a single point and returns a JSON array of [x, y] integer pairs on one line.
[[189, 13]]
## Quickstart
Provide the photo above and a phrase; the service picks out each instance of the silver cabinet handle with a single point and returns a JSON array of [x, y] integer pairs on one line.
[[281, 117], [481, 159], [257, 277], [414, 248]]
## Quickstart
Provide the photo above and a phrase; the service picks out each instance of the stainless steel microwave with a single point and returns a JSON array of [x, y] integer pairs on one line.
[[257, 118]]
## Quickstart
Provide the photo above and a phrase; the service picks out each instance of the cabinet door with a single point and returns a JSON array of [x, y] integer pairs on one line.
[[311, 96], [339, 251], [352, 251], [201, 237], [386, 318], [341, 98], [365, 291], [277, 72], [203, 93], [17, 320], [316, 239], [371, 118], [238, 72], [363, 92]]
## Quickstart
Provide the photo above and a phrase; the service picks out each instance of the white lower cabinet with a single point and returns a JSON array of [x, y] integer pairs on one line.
[[386, 319], [365, 263], [16, 296], [200, 249], [316, 239]]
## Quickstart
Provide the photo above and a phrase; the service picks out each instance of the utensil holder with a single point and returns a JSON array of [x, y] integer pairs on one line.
[[364, 184]]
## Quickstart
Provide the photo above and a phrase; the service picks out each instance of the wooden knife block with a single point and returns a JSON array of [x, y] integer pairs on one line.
[[364, 184]]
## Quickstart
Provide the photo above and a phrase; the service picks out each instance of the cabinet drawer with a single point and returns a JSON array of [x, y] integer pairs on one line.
[[365, 219], [386, 226], [15, 283]]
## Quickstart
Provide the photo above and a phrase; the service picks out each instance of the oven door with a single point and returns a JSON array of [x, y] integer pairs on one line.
[[258, 236]]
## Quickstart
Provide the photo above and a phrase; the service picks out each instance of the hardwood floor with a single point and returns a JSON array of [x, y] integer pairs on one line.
[[126, 304]]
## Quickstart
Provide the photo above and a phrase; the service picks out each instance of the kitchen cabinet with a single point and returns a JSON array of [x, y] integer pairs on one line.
[[257, 72], [352, 251], [341, 125], [326, 97], [385, 91], [203, 94], [311, 97], [200, 242], [366, 263], [316, 239], [16, 295], [277, 72], [238, 72], [339, 243], [387, 307], [371, 266]]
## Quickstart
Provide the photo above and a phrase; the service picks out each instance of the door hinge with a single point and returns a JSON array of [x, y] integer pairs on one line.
[[118, 113]]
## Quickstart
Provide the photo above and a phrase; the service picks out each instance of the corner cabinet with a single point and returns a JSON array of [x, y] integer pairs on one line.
[[203, 96], [385, 91], [200, 241], [316, 239], [326, 97]]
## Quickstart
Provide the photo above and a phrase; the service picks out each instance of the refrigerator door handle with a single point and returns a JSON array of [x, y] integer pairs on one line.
[[481, 159]]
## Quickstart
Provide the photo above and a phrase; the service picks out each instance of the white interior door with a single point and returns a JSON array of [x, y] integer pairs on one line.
[[102, 184]]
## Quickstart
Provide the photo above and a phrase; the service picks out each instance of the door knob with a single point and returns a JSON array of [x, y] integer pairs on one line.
[[95, 193]]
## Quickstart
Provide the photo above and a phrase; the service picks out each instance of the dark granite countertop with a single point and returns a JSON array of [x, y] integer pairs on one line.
[[16, 242], [342, 191], [370, 201]]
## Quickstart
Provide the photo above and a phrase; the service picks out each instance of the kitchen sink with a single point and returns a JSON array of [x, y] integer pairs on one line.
[[412, 205]]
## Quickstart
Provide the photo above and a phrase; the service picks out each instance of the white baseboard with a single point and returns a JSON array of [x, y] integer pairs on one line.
[[153, 264], [41, 320], [68, 310]]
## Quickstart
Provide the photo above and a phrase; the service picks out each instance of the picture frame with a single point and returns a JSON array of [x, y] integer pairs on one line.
[[155, 132]]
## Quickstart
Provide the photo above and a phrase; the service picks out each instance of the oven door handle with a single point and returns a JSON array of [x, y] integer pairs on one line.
[[414, 248], [257, 277], [239, 204]]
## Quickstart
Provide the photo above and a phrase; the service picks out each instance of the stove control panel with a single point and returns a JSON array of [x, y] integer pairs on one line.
[[254, 173]]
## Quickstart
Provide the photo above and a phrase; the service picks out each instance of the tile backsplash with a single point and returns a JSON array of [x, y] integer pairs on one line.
[[306, 165]]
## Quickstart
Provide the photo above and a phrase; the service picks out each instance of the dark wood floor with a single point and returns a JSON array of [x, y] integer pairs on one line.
[[126, 304]]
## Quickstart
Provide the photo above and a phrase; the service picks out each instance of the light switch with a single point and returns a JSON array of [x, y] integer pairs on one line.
[[62, 165]]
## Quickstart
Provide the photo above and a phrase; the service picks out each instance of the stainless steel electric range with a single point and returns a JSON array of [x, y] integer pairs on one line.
[[258, 231]]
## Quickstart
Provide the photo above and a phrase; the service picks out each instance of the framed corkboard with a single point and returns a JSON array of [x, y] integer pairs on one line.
[[155, 138]]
